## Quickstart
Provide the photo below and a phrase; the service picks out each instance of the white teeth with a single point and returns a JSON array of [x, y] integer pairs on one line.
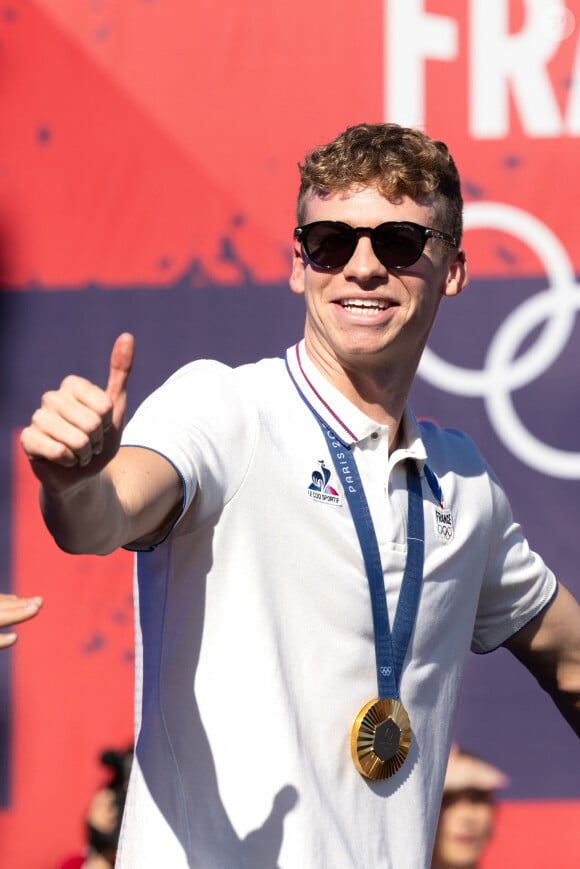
[[370, 305]]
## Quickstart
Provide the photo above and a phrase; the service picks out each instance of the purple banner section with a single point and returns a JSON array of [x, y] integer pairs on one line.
[[46, 334], [504, 715]]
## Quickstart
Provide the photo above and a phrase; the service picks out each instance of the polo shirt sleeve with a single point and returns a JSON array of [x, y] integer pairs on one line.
[[516, 585], [204, 421]]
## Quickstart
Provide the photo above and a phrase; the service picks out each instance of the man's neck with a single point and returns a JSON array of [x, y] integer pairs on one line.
[[377, 391]]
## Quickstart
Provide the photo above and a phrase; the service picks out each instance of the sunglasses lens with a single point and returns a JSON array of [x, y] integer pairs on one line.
[[329, 246], [398, 245]]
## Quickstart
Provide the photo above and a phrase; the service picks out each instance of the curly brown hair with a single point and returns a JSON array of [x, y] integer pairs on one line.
[[399, 160]]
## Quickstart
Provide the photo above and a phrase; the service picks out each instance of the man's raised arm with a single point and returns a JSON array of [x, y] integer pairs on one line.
[[94, 496]]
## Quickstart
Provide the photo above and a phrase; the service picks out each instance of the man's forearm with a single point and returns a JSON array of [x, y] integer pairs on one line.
[[569, 705], [564, 689], [549, 646], [86, 520]]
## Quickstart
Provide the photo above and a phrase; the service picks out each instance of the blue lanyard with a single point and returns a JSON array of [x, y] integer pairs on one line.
[[390, 648]]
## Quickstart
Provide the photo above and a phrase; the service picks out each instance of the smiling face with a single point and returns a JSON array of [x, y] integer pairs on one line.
[[364, 317]]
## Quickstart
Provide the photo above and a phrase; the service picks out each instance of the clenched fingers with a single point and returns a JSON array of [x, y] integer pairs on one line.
[[69, 426]]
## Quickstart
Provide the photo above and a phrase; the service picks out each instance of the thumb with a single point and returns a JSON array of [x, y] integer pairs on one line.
[[120, 366]]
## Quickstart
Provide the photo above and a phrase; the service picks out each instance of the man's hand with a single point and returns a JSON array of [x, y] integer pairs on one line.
[[77, 429], [14, 610], [95, 497]]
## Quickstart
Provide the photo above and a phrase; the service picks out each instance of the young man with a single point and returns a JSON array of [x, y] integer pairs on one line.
[[313, 565]]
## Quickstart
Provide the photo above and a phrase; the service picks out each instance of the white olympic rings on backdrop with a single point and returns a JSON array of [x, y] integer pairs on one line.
[[502, 372]]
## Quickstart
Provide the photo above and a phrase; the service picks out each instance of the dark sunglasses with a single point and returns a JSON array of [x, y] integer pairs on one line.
[[329, 244]]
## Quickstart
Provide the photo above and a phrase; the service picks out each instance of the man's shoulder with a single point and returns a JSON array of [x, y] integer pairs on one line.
[[262, 369], [214, 372], [450, 448]]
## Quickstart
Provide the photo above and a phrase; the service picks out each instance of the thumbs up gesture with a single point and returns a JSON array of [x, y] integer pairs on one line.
[[77, 429]]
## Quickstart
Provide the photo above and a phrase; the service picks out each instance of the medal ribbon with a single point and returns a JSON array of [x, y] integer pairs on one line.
[[390, 648]]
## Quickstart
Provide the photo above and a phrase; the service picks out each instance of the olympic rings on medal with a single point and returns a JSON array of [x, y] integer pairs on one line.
[[502, 372]]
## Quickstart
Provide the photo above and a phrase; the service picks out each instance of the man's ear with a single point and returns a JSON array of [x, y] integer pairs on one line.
[[457, 275], [298, 268]]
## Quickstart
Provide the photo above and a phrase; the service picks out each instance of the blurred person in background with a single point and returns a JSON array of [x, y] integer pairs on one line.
[[468, 809], [103, 818]]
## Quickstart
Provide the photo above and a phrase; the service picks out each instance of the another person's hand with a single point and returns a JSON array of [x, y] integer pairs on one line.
[[13, 610], [77, 429]]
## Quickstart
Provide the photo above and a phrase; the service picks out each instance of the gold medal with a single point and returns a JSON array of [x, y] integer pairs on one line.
[[380, 739]]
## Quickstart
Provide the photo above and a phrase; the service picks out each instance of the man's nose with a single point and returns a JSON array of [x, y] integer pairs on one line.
[[363, 264]]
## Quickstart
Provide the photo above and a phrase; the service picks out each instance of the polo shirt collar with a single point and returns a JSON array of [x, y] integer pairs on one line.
[[347, 421]]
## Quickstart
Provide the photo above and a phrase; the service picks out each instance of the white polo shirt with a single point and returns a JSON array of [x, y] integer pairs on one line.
[[255, 648]]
